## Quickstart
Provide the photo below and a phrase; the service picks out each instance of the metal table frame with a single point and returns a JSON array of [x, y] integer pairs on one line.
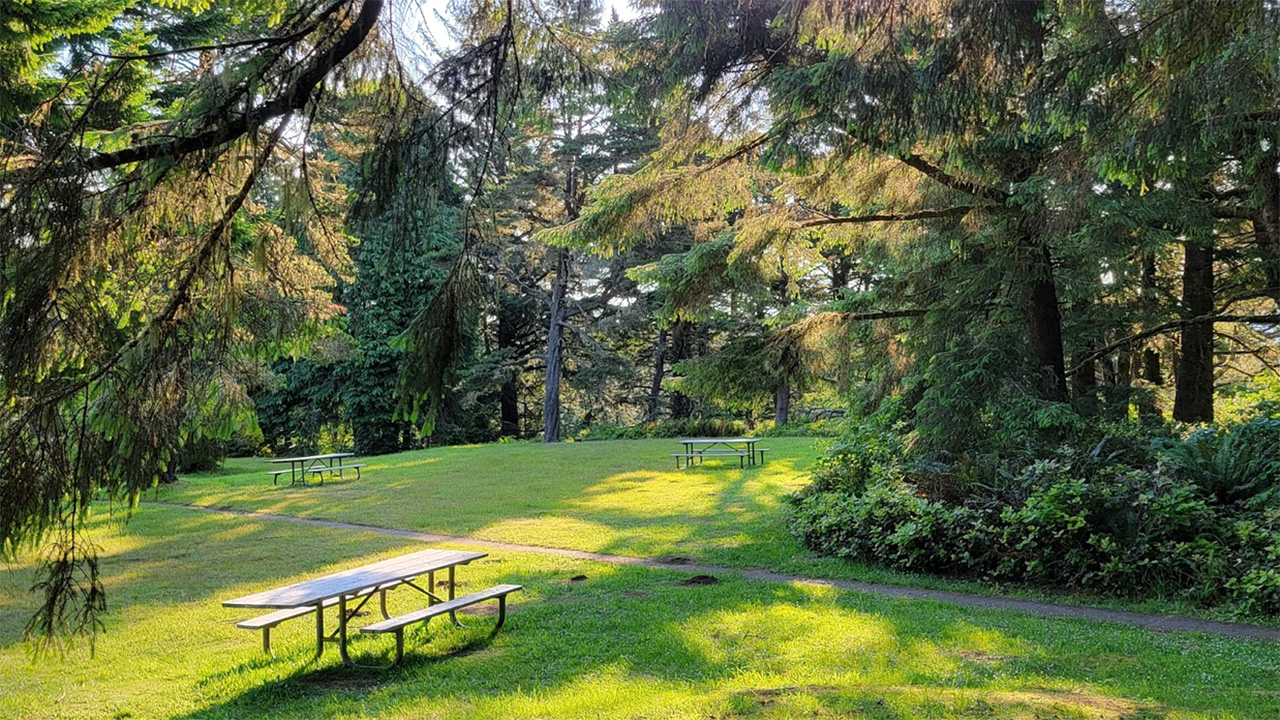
[[691, 445], [298, 467], [362, 584]]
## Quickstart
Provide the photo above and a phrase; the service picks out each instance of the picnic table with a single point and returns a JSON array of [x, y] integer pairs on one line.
[[361, 584], [697, 449], [318, 465]]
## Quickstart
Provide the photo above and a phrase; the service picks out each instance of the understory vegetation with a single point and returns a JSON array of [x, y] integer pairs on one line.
[[1121, 508]]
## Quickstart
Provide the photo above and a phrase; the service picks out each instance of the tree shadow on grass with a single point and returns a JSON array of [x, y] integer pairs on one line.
[[633, 642], [163, 557]]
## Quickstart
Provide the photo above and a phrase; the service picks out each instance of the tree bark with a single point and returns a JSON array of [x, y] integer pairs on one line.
[[555, 349], [508, 397], [839, 266], [681, 346], [1045, 326], [1193, 399], [1150, 358], [1266, 226], [782, 404], [659, 370]]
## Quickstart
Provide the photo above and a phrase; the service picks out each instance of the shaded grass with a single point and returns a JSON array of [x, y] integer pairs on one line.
[[626, 642]]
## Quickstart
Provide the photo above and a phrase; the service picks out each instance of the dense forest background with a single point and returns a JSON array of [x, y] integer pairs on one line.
[[1028, 251]]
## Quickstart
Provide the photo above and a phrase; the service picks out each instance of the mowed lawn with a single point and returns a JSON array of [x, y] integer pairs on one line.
[[622, 497], [586, 639], [623, 642]]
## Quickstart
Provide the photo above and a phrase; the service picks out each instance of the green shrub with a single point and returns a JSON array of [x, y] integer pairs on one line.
[[1233, 465], [693, 427], [1195, 519]]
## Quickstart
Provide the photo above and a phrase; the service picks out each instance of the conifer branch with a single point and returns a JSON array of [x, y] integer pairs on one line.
[[265, 41], [943, 177], [957, 211], [294, 97], [1171, 326]]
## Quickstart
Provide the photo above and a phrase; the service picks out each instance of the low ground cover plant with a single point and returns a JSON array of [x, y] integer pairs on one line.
[[1140, 511]]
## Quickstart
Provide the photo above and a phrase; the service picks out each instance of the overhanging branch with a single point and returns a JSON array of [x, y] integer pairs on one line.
[[957, 211], [294, 97], [1171, 326]]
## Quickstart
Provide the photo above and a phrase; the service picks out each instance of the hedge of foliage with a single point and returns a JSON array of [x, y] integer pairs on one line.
[[710, 427], [1137, 512]]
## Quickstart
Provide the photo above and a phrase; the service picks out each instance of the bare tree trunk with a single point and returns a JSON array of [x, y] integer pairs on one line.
[[1124, 369], [1266, 225], [555, 349], [508, 397], [782, 404], [1150, 358], [1045, 326], [1193, 399], [681, 345], [839, 266], [659, 369], [1084, 381]]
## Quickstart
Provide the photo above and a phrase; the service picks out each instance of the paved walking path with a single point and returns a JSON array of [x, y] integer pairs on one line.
[[1164, 623]]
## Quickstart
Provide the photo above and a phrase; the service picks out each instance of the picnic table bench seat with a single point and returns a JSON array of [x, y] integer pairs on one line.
[[319, 470], [398, 623], [300, 468], [272, 619], [689, 457], [697, 449]]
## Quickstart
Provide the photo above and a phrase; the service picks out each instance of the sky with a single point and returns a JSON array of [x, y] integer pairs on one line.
[[412, 16]]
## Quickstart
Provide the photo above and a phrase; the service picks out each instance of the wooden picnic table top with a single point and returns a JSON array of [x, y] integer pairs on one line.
[[714, 441], [317, 590], [305, 458]]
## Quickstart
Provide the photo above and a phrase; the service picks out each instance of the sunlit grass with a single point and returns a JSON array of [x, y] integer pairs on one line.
[[626, 642], [620, 497], [623, 497]]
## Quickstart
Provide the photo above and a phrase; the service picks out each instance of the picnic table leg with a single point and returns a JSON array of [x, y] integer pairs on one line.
[[319, 631], [502, 612], [342, 630], [382, 603], [431, 588], [452, 616]]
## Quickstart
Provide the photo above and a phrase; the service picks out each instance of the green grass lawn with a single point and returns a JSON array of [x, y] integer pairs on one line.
[[626, 642], [623, 497]]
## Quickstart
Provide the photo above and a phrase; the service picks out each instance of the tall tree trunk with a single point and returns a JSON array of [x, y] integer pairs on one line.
[[1193, 399], [1124, 369], [1266, 225], [508, 397], [681, 345], [1045, 326], [659, 369], [839, 266], [1150, 357], [782, 404], [555, 349]]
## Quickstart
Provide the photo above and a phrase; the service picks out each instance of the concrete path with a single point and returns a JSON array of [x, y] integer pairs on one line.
[[1162, 623]]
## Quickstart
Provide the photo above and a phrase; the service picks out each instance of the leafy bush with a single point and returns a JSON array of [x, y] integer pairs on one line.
[[665, 429], [1234, 465], [1194, 518]]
